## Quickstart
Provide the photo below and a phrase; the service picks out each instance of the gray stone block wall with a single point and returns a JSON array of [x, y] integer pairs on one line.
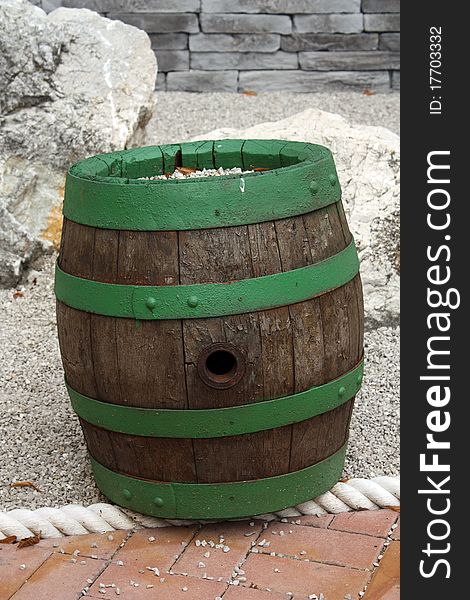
[[264, 45]]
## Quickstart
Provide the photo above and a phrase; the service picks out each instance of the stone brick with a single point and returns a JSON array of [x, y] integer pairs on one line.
[[302, 578], [60, 577], [233, 23], [316, 521], [385, 584], [389, 22], [328, 23], [87, 546], [337, 42], [323, 545], [159, 22], [12, 572], [169, 41], [396, 80], [172, 60], [160, 84], [218, 563], [369, 522], [129, 6], [173, 587], [169, 542], [390, 41], [281, 6], [239, 592], [243, 61], [202, 81], [226, 42], [396, 531], [311, 81], [381, 6], [349, 61]]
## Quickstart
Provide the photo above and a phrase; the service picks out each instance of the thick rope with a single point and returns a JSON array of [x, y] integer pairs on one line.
[[73, 519]]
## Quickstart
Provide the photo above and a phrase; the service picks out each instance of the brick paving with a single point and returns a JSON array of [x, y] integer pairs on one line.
[[344, 557]]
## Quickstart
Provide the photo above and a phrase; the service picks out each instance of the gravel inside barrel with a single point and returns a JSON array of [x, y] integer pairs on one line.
[[41, 440]]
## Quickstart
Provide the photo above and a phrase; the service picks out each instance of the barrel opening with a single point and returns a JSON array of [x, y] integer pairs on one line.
[[221, 365]]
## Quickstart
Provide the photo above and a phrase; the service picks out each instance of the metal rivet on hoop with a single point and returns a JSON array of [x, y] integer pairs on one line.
[[151, 302]]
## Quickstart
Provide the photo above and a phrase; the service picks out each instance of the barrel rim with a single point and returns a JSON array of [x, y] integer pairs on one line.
[[301, 178], [116, 162]]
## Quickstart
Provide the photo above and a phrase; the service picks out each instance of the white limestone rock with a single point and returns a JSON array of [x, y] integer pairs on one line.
[[72, 84], [368, 164]]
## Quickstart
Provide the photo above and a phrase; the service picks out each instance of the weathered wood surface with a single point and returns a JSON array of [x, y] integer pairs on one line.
[[154, 363]]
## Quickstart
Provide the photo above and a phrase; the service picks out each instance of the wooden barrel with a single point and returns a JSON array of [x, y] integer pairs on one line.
[[210, 328]]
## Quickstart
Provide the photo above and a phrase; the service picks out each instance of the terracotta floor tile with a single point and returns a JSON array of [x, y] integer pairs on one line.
[[368, 522], [94, 544], [385, 584], [313, 521], [244, 593], [169, 542], [12, 576], [172, 588], [396, 531], [323, 545], [60, 579], [218, 563], [303, 578]]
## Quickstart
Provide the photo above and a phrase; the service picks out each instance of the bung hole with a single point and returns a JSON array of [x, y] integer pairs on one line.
[[221, 363]]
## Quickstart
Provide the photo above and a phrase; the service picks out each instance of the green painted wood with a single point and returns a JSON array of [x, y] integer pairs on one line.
[[220, 422], [228, 153], [171, 157], [207, 300], [205, 155], [189, 153], [120, 202], [142, 161], [219, 500], [262, 153]]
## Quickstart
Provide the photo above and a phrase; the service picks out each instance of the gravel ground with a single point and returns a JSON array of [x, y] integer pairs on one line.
[[40, 438], [181, 115]]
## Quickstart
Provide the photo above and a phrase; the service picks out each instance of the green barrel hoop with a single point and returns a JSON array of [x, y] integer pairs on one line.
[[220, 500], [105, 191], [218, 422], [207, 300]]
